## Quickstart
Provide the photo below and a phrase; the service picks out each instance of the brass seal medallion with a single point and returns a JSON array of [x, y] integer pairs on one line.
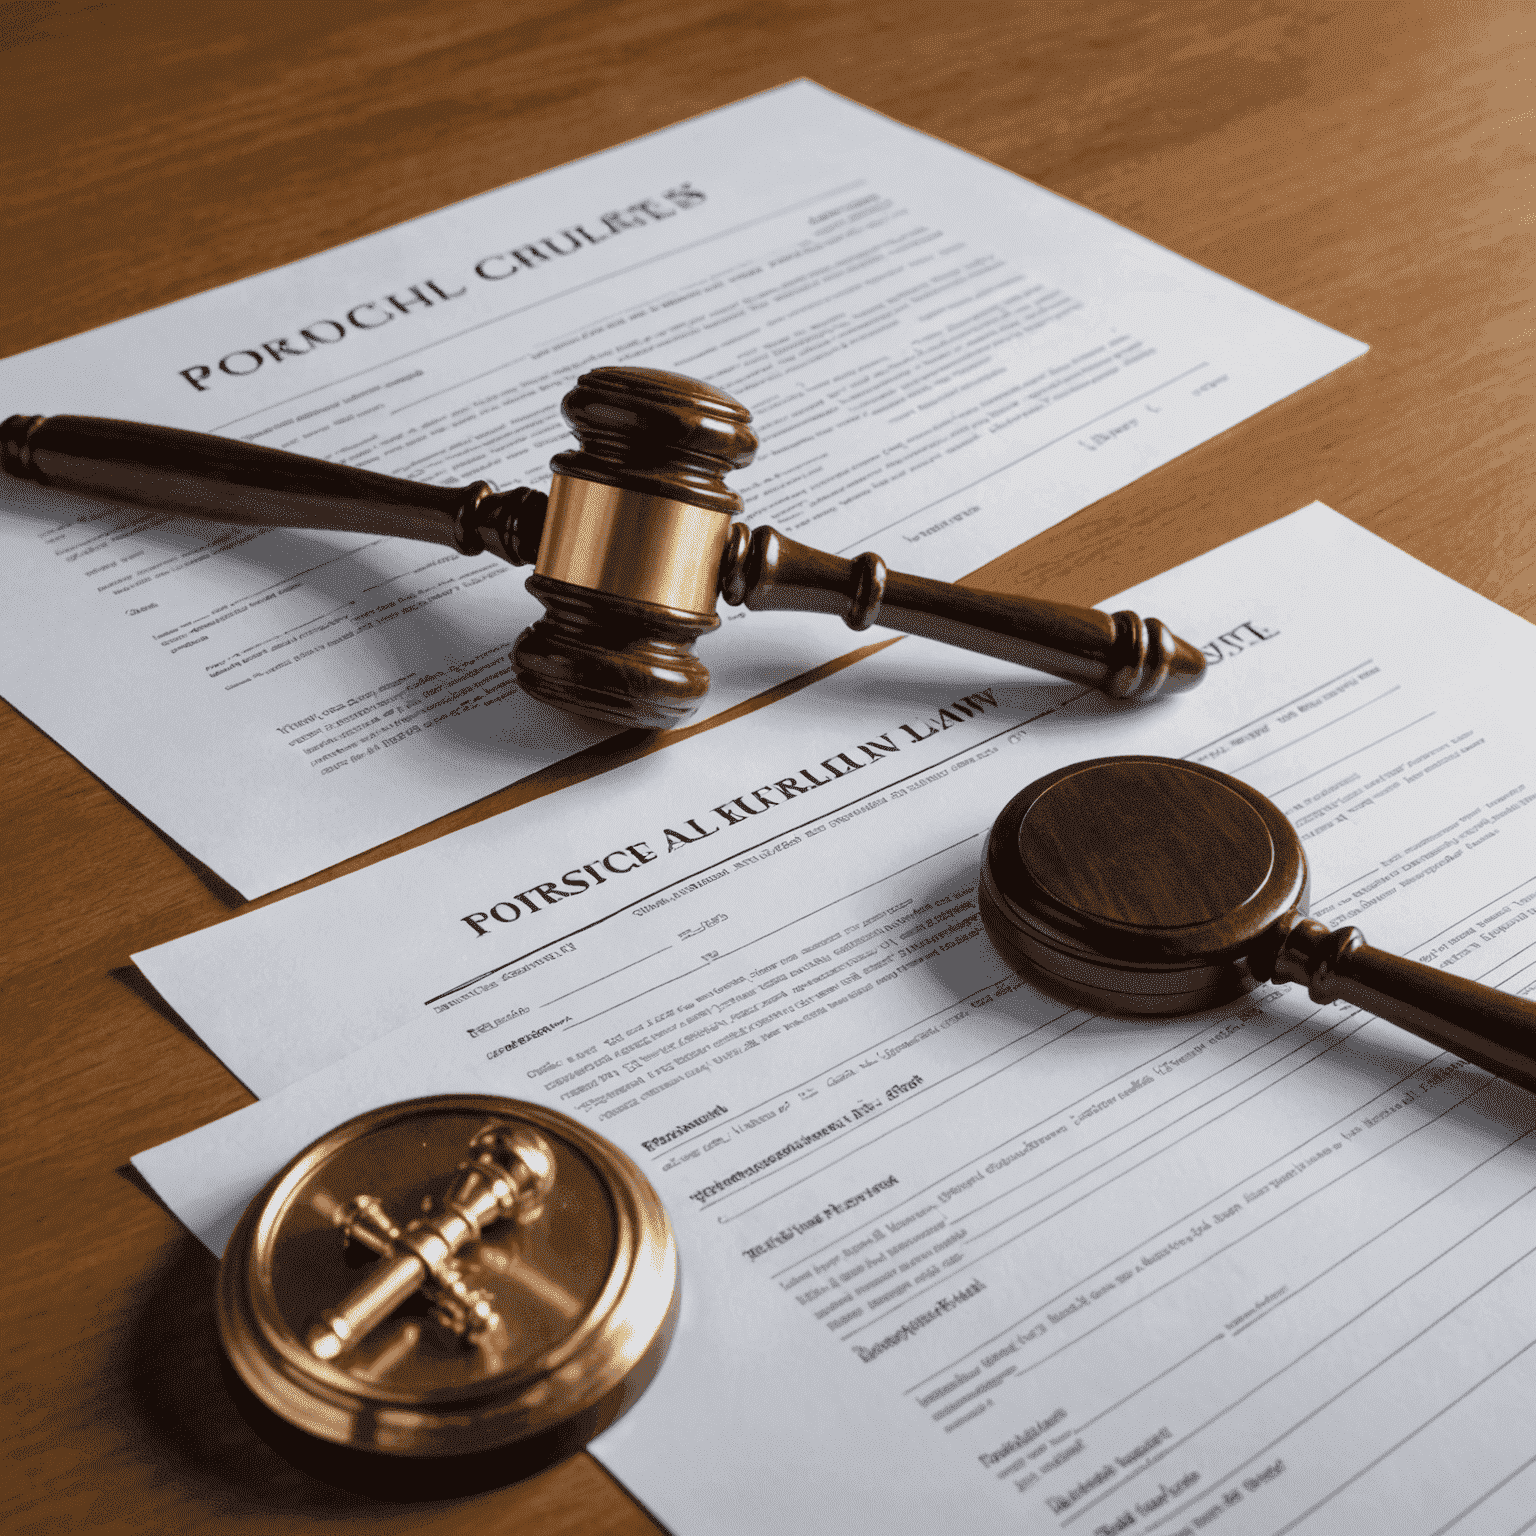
[[450, 1276]]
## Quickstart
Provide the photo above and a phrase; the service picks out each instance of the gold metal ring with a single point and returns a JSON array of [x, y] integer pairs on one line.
[[633, 545]]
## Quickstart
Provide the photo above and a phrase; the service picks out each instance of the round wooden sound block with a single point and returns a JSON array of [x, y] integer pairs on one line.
[[1141, 885]]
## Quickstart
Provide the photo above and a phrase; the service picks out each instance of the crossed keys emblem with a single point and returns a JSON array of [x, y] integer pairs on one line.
[[508, 1175]]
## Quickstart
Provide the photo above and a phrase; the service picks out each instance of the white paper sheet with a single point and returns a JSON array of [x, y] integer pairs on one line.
[[942, 358], [957, 1257]]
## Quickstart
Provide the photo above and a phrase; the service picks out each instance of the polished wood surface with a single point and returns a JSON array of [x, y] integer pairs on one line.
[[1368, 168]]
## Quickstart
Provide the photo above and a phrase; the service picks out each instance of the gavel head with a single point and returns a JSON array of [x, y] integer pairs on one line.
[[629, 562], [1142, 885]]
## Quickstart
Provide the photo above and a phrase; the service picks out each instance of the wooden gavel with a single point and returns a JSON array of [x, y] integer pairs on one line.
[[631, 549], [1150, 886]]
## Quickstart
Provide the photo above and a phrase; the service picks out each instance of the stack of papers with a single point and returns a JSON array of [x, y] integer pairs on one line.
[[960, 1255], [956, 1255], [942, 360]]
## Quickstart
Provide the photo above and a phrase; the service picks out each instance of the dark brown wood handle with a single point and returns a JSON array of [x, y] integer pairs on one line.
[[1494, 1029], [1120, 654], [196, 475]]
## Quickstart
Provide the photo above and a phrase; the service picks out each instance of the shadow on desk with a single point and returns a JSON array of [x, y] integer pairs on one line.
[[229, 1453]]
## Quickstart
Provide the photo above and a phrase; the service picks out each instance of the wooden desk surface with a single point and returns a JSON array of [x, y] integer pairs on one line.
[[1368, 165]]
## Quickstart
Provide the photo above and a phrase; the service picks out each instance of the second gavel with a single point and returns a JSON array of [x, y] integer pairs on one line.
[[1151, 886], [631, 548]]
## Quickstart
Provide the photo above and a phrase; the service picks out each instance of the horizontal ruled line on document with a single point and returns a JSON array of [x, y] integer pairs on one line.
[[993, 473], [1468, 916], [1392, 1450], [1064, 1110], [1392, 1226], [1278, 709], [1285, 788], [608, 977], [1183, 1218], [522, 309], [672, 1147], [810, 821], [1120, 1483], [1326, 726], [927, 1110], [1125, 1172], [1364, 1375], [1487, 1494], [1216, 1198]]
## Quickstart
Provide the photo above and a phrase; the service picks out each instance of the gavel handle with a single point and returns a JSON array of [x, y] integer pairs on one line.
[[224, 480], [1494, 1029], [194, 474], [1120, 654], [340, 1328]]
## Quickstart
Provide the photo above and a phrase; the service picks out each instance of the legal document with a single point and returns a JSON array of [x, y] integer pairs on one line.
[[942, 360], [958, 1256]]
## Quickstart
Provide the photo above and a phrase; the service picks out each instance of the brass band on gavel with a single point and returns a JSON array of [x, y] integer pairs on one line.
[[632, 547]]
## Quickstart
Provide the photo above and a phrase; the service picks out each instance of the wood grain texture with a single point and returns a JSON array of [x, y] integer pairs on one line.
[[1368, 167], [634, 546], [1152, 886], [200, 475], [1497, 1030], [1141, 886], [1119, 654]]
